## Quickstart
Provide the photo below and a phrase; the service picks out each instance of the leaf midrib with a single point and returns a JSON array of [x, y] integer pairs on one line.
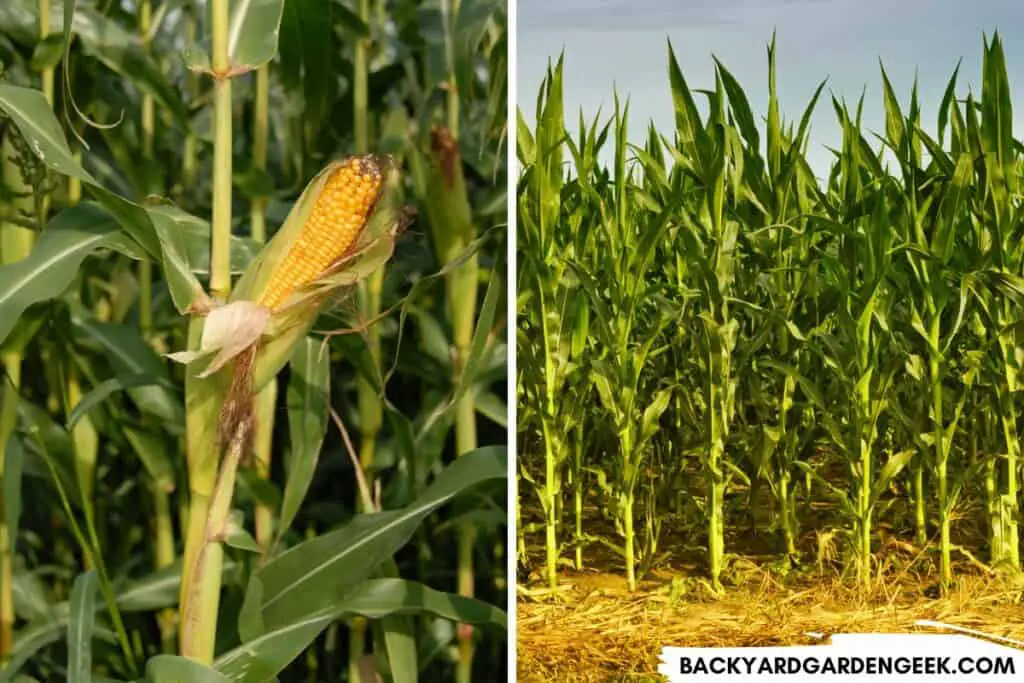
[[29, 277]]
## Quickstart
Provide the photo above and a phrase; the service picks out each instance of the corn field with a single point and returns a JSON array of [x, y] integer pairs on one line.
[[718, 348], [252, 392]]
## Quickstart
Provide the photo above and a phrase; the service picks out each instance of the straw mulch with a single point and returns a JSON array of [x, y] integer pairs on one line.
[[593, 629]]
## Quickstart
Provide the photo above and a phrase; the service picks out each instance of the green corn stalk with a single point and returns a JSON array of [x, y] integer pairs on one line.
[[163, 536], [557, 312], [47, 76], [8, 418], [43, 8], [578, 486], [711, 238], [541, 156], [15, 244], [575, 407], [211, 487], [453, 232], [859, 356], [189, 150], [267, 399], [933, 272], [147, 126], [991, 139], [371, 409], [1006, 513], [628, 391], [785, 189], [370, 405], [266, 407], [220, 249], [84, 436]]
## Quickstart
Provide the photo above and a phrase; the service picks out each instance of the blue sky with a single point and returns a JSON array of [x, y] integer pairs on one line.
[[621, 44]]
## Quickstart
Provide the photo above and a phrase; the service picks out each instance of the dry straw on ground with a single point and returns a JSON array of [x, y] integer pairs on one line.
[[593, 629]]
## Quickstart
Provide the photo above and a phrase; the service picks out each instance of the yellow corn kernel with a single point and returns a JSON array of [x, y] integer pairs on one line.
[[337, 219]]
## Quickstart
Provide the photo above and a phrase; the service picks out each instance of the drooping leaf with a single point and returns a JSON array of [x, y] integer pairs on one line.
[[175, 669], [70, 238], [296, 584], [265, 656]]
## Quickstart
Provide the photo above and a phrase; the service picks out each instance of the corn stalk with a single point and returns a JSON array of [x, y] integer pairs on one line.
[[211, 488]]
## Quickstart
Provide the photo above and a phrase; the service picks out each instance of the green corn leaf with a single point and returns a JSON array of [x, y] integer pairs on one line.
[[80, 627], [292, 589], [308, 400]]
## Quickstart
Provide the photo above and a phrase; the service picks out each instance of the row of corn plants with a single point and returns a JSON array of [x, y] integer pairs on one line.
[[251, 257], [712, 338]]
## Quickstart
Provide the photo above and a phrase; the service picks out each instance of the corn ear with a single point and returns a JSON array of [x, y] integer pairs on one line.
[[278, 263], [447, 205], [280, 295], [339, 215], [371, 249]]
